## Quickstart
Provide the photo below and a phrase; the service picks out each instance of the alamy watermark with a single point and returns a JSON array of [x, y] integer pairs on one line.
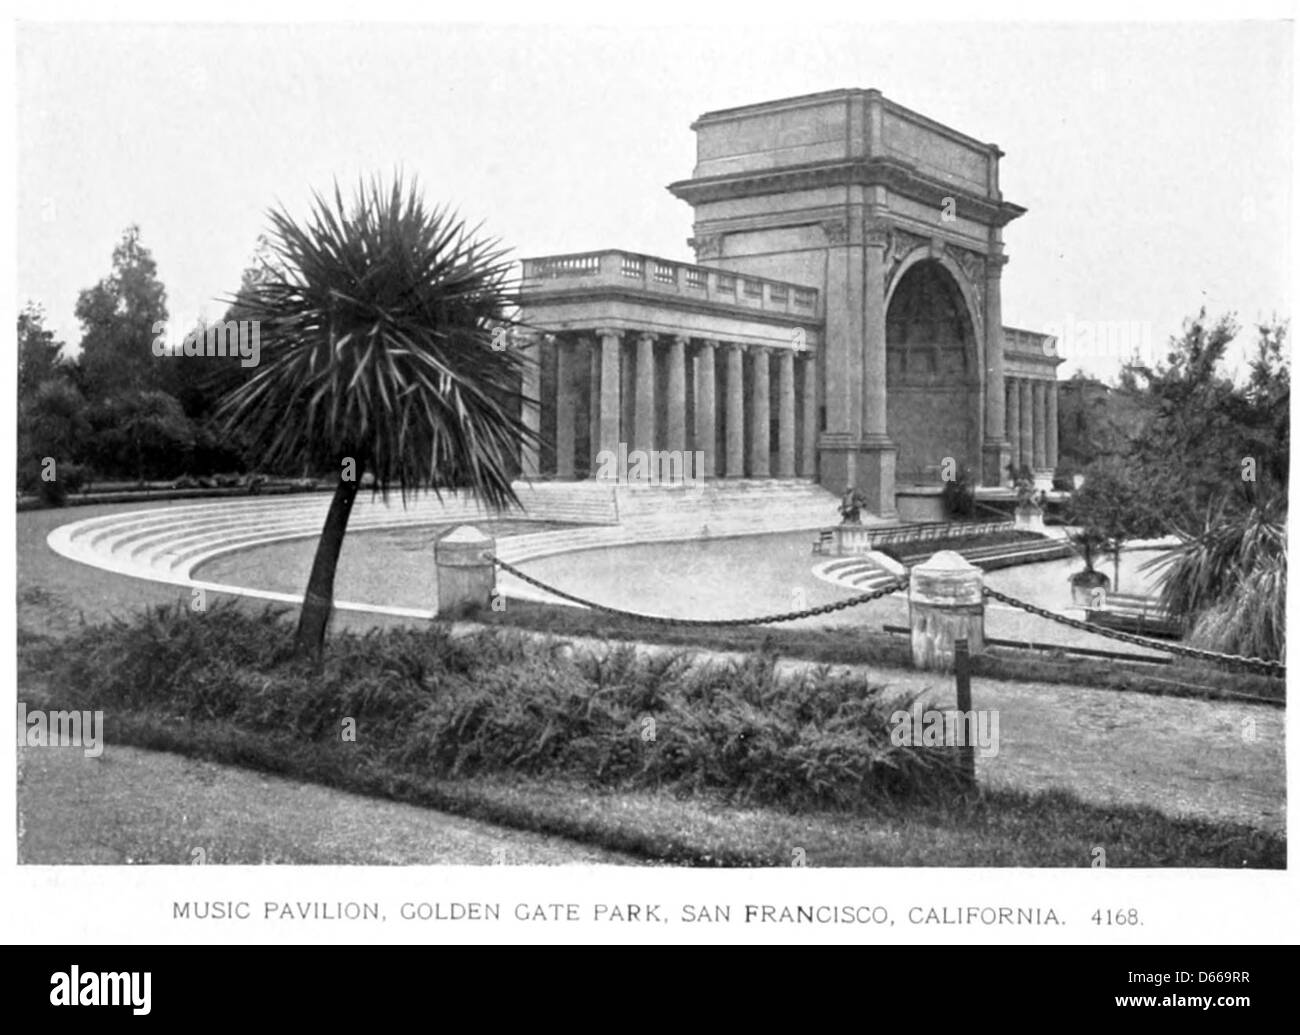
[[61, 729], [948, 727], [650, 466], [1099, 339], [229, 338], [72, 987]]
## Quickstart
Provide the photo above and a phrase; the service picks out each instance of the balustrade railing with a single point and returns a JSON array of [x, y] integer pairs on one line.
[[663, 276]]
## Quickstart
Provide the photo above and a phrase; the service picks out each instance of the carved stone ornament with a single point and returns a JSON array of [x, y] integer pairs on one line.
[[707, 246]]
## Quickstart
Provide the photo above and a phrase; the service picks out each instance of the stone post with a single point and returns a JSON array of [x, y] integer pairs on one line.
[[946, 603], [465, 578]]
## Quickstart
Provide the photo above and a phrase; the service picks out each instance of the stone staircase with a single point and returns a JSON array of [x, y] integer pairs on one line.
[[168, 544]]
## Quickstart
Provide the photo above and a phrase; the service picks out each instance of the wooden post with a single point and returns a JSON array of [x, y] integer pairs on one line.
[[961, 664]]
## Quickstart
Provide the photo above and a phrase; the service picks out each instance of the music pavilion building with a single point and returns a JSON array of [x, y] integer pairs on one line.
[[842, 322]]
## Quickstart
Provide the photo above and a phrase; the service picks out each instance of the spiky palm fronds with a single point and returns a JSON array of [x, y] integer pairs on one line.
[[1252, 620], [376, 326], [1230, 580]]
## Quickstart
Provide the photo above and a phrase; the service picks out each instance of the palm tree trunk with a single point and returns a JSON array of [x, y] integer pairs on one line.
[[319, 600]]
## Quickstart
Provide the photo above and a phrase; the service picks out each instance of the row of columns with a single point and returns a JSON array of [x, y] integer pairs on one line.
[[612, 418], [1031, 415]]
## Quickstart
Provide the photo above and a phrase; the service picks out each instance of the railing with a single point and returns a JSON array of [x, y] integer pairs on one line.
[[664, 277], [937, 531]]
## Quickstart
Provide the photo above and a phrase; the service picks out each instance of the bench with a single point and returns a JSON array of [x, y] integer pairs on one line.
[[1135, 614]]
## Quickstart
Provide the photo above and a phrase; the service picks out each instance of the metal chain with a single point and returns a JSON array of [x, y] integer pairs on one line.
[[788, 616], [1238, 660]]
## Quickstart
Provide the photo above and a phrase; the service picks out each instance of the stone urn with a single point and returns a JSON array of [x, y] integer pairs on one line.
[[1029, 517], [1084, 585]]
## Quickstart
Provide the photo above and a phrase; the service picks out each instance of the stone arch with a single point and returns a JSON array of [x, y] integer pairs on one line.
[[934, 368]]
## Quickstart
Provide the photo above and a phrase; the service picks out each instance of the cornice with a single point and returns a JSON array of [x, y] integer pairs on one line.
[[901, 177]]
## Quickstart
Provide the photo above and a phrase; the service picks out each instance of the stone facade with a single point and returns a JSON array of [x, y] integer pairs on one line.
[[843, 322]]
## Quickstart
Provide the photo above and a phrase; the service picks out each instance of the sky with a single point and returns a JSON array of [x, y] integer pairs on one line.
[[1155, 160]]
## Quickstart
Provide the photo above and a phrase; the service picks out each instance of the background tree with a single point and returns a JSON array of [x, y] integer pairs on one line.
[[377, 357], [118, 316], [40, 357], [1203, 434], [140, 435]]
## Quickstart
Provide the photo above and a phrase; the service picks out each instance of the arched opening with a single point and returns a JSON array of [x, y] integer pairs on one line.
[[932, 377]]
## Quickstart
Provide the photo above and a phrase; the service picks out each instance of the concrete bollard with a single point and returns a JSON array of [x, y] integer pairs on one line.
[[465, 577], [946, 602]]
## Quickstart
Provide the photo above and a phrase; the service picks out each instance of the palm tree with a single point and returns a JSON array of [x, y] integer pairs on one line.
[[376, 358], [1229, 581]]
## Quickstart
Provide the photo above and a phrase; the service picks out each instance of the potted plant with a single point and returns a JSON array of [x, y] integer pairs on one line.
[[1083, 584]]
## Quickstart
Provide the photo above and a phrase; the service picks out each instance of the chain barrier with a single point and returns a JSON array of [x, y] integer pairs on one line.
[[1270, 668], [788, 616]]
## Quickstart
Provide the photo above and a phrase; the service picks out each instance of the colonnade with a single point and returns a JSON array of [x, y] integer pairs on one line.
[[1031, 415], [746, 411]]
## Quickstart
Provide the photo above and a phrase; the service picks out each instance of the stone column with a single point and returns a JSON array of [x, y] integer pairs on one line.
[[706, 426], [565, 411], [785, 414], [735, 416], [808, 462], [593, 403], [997, 453], [1040, 425], [531, 406], [677, 395], [610, 390], [644, 434], [760, 409], [1053, 430], [1013, 421], [842, 345], [877, 455], [1026, 423]]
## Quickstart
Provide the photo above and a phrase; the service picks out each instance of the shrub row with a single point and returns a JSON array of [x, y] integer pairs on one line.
[[500, 701]]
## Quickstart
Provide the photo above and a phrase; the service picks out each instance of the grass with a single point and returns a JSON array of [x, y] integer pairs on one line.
[[743, 767]]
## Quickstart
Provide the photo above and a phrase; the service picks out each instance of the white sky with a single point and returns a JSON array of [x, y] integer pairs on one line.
[[1155, 160]]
